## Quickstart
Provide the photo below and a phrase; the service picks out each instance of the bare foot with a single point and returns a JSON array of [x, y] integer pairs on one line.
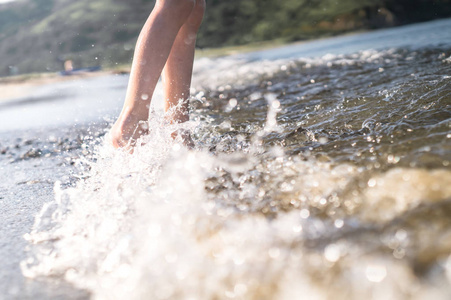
[[127, 130]]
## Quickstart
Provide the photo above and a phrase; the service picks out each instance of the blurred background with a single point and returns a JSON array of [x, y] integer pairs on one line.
[[42, 35], [343, 143]]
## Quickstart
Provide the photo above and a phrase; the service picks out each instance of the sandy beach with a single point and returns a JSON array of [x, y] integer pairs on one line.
[[30, 163], [24, 85], [320, 170], [38, 150]]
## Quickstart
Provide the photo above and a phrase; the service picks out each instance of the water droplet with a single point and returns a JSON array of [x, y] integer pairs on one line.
[[375, 273], [225, 125], [339, 223], [255, 96], [305, 213], [401, 234], [323, 140], [448, 268], [399, 253], [297, 228], [332, 253]]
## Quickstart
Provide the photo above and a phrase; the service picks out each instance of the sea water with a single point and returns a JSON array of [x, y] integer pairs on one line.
[[314, 176]]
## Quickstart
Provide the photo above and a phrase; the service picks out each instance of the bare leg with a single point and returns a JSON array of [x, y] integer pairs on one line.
[[151, 53], [178, 70]]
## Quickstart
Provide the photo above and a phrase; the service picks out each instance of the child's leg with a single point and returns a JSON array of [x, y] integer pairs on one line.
[[151, 53], [178, 70]]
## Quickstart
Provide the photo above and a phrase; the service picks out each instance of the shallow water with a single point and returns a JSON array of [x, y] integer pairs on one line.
[[318, 177]]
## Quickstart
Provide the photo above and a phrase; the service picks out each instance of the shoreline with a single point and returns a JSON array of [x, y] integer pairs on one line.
[[21, 85], [395, 185]]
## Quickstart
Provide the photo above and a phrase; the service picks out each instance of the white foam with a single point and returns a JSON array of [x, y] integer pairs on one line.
[[172, 223]]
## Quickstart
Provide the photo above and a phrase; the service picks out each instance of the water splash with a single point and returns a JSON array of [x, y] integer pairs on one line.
[[315, 197]]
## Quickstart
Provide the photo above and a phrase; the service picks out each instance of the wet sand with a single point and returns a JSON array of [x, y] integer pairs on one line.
[[31, 162], [46, 124], [38, 149]]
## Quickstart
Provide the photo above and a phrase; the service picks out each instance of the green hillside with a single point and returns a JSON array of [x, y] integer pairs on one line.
[[37, 35]]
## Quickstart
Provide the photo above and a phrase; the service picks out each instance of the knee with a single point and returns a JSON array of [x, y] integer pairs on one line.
[[199, 7], [197, 14], [178, 9]]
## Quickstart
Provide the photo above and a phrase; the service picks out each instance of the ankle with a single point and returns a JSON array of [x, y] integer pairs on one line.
[[135, 114]]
